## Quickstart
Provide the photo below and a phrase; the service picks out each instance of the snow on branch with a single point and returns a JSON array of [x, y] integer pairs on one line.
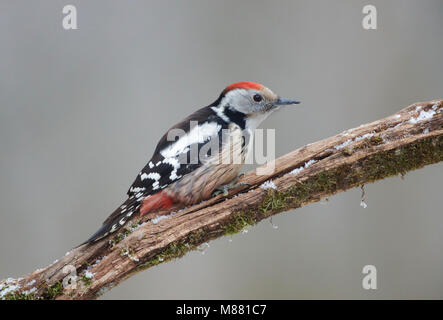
[[407, 140]]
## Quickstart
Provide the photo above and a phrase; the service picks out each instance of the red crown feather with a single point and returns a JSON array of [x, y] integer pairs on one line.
[[243, 85]]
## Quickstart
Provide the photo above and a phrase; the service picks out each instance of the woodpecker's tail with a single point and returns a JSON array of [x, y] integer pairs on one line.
[[116, 220]]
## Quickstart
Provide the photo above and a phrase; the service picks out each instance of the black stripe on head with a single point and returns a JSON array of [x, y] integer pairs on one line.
[[235, 116]]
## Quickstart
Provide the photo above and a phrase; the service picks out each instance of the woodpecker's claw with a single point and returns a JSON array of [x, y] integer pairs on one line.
[[242, 184], [225, 188], [220, 190]]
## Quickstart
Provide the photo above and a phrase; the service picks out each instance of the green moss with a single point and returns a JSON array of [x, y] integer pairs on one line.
[[84, 265], [348, 151], [197, 237], [17, 294], [369, 169], [273, 201], [375, 167], [86, 280], [376, 140], [20, 296], [365, 143], [172, 251], [404, 159], [124, 233], [177, 249], [124, 251], [239, 221], [134, 225], [129, 252], [53, 291], [119, 237]]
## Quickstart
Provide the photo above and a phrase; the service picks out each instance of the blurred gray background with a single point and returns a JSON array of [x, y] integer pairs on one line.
[[81, 112]]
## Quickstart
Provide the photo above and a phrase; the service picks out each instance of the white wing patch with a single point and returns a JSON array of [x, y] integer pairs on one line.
[[198, 134]]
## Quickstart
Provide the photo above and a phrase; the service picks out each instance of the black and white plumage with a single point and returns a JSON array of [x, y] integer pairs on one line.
[[197, 155]]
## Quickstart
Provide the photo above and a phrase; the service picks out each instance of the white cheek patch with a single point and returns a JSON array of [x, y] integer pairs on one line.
[[234, 97], [239, 99]]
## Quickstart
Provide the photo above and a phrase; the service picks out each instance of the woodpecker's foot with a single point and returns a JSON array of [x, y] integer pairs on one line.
[[234, 183], [241, 184], [225, 188]]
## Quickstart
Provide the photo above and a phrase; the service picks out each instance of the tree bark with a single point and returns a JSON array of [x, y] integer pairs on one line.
[[407, 140]]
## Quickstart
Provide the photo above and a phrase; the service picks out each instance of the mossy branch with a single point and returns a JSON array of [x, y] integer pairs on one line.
[[407, 140]]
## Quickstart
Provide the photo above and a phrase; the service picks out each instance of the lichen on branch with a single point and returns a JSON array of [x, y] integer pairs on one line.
[[405, 141]]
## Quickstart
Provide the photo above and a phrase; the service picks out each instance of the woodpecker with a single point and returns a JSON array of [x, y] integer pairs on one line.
[[174, 176]]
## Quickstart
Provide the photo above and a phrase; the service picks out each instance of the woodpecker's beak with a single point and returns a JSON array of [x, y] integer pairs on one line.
[[283, 102]]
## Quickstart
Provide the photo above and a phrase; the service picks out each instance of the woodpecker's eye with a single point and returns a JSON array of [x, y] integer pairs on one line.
[[257, 98]]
